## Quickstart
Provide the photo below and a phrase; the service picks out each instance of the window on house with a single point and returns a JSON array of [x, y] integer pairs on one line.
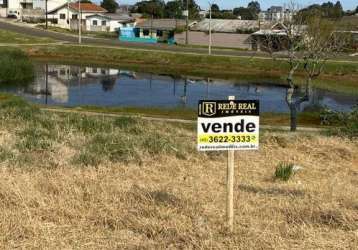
[[94, 70], [62, 16], [94, 23], [74, 16], [104, 23], [145, 32], [159, 33]]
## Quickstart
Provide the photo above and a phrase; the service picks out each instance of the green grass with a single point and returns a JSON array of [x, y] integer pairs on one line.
[[311, 119], [16, 67], [213, 47], [100, 34], [95, 140], [8, 37], [338, 76], [284, 171]]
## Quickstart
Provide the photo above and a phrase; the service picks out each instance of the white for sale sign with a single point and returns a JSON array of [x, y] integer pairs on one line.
[[228, 125]]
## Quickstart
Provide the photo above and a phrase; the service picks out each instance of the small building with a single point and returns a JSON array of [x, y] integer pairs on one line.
[[229, 33], [276, 14], [66, 16], [22, 9], [274, 38], [109, 22], [153, 31]]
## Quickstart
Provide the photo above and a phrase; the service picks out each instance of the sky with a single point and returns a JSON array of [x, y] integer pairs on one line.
[[229, 4]]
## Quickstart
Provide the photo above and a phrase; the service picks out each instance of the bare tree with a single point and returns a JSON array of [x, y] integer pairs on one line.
[[308, 44]]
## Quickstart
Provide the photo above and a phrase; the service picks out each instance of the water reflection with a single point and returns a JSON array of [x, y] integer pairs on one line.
[[73, 85]]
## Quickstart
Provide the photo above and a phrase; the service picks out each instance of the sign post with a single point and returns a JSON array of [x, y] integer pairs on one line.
[[228, 125], [230, 185]]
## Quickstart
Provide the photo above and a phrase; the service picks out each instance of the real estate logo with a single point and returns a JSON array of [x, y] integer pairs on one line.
[[208, 108]]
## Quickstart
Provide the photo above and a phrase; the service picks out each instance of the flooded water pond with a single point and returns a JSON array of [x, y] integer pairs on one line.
[[67, 85]]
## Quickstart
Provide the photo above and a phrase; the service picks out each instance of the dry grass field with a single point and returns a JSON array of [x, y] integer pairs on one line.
[[75, 182]]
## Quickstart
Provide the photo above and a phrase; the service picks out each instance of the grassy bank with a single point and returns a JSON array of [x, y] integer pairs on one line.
[[72, 181], [339, 76], [99, 34], [16, 67], [311, 119], [8, 37]]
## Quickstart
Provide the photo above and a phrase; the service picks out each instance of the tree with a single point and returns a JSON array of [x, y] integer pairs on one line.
[[193, 8], [151, 8], [215, 8], [309, 47], [110, 5], [244, 13], [338, 10], [255, 8], [174, 9], [326, 10]]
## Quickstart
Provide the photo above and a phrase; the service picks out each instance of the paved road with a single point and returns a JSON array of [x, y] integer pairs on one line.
[[112, 42], [23, 29]]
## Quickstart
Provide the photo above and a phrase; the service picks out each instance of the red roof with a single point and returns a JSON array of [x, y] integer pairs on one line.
[[87, 7]]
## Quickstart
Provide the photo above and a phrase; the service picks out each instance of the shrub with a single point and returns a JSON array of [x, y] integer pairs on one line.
[[16, 67], [284, 171], [17, 108], [345, 124]]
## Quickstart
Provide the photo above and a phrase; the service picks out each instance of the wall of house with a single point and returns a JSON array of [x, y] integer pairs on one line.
[[63, 23], [115, 25], [51, 4], [3, 12], [229, 40], [99, 27]]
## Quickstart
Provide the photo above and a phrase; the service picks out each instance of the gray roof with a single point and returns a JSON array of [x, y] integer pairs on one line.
[[162, 24], [226, 25], [115, 17]]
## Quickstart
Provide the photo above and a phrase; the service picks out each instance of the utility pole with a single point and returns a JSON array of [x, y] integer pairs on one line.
[[210, 36], [46, 19], [187, 23], [79, 22], [68, 14]]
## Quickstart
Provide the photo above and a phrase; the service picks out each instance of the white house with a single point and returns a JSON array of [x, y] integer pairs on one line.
[[108, 22], [276, 14], [67, 15], [15, 8]]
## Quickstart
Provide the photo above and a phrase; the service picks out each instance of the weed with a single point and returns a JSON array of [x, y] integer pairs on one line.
[[124, 122], [86, 158], [284, 171], [34, 139], [89, 125], [17, 108], [5, 154]]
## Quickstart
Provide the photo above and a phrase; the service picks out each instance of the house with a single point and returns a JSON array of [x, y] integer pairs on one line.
[[274, 38], [109, 22], [152, 31], [66, 16], [19, 8], [276, 14], [230, 33]]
